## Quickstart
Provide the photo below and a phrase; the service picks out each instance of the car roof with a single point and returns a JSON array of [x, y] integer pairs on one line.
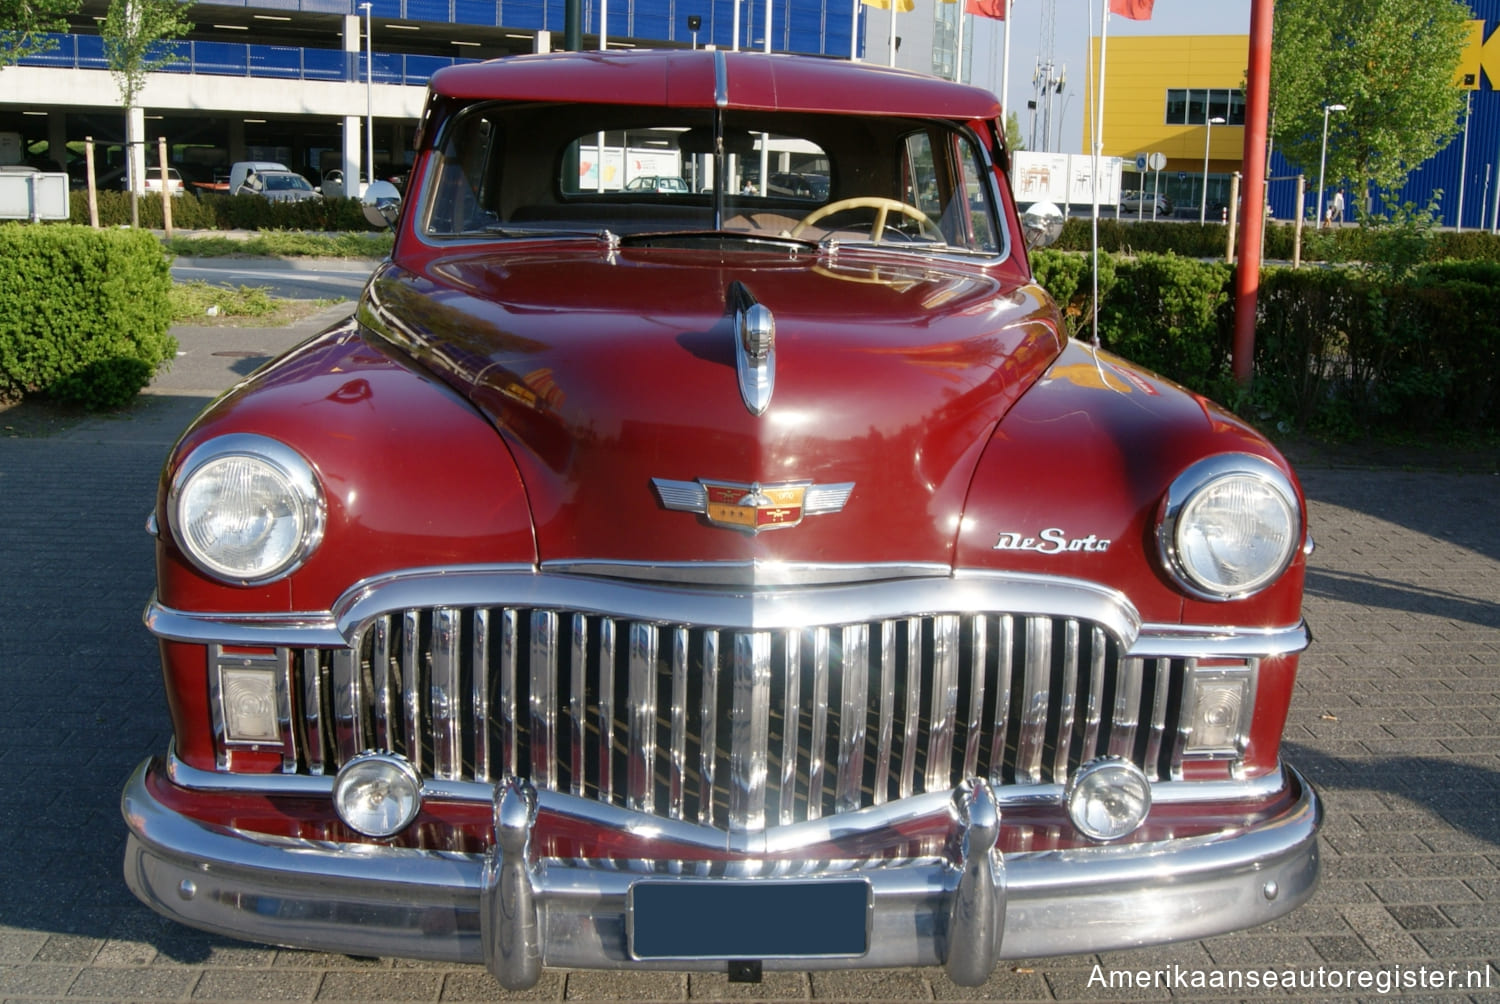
[[686, 78]]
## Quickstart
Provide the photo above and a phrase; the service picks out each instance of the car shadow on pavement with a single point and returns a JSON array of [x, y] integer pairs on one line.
[[1360, 589]]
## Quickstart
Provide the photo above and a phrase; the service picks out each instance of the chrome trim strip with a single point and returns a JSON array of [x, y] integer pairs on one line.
[[312, 711], [979, 658], [386, 714], [1093, 712], [1005, 659], [1127, 717], [1158, 725], [677, 777], [348, 724], [887, 688], [751, 574], [1067, 701], [751, 610], [913, 708], [811, 831], [1036, 685], [510, 659]]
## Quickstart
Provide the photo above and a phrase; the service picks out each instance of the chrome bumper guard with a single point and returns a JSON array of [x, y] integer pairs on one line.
[[515, 916]]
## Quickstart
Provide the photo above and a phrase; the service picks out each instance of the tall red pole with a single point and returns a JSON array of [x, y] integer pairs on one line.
[[1257, 113]]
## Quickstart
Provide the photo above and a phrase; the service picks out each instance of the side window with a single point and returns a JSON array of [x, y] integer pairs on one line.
[[945, 177], [464, 192]]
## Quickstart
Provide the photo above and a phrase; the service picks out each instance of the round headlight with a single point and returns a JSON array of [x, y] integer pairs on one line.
[[377, 794], [1109, 798], [246, 509], [1229, 527]]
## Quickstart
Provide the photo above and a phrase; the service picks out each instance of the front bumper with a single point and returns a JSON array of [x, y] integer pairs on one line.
[[516, 915]]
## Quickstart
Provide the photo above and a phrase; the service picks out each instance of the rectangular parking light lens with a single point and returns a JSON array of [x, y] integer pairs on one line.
[[247, 704], [1219, 713]]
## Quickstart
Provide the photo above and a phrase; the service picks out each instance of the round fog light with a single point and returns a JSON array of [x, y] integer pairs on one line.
[[377, 794], [1109, 798]]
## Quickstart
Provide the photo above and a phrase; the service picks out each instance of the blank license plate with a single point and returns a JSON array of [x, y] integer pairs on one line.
[[738, 919]]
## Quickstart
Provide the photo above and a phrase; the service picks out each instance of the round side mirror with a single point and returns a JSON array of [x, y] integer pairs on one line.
[[382, 204], [1042, 224]]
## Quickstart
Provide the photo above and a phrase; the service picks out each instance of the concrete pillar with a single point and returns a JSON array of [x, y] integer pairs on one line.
[[237, 139], [353, 136], [543, 41]]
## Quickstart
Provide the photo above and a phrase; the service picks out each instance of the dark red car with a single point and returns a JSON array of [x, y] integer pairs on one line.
[[705, 578]]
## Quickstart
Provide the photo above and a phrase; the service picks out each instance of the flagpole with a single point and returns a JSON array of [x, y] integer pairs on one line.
[[894, 5], [854, 34], [1098, 131], [1005, 68], [958, 61]]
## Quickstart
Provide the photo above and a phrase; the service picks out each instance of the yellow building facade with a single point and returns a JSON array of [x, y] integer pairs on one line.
[[1160, 94]]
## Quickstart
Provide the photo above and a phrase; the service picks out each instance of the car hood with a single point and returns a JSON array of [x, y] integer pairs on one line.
[[612, 375]]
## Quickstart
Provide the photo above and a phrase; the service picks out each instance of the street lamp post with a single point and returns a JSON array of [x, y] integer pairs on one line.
[[1323, 155], [369, 105], [1207, 135]]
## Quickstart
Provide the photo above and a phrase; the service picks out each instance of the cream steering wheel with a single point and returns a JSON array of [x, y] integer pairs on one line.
[[882, 206]]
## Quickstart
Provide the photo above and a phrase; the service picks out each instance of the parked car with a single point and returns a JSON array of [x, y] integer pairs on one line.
[[151, 183], [243, 171], [800, 186], [1145, 204], [719, 583], [657, 183], [279, 186]]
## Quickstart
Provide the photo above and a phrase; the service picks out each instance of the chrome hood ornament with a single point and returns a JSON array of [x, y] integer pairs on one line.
[[754, 348]]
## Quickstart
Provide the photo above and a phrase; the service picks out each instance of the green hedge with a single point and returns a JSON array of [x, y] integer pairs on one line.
[[1367, 243], [212, 211], [1339, 351], [84, 314]]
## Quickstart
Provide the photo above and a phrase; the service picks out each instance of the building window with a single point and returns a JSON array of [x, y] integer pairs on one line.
[[1197, 106]]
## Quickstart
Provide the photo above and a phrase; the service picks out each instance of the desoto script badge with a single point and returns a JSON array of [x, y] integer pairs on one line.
[[752, 507]]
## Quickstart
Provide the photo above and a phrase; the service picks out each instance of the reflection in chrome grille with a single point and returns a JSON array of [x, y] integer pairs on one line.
[[740, 729]]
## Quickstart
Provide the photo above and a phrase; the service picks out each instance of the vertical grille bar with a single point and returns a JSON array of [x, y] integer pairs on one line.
[[978, 665], [640, 779], [1127, 709], [709, 717], [791, 724], [606, 780], [1158, 719], [818, 742], [855, 671], [444, 695], [542, 665], [411, 686], [1067, 702], [1036, 685], [677, 778], [913, 705], [479, 658], [348, 733], [1005, 657], [750, 731], [312, 710], [887, 687], [577, 701], [1094, 710], [285, 688], [387, 712], [945, 653], [510, 657]]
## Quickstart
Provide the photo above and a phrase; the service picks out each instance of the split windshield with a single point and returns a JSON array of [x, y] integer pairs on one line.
[[524, 170]]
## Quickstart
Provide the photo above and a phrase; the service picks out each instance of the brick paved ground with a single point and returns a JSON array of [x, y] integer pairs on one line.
[[1396, 719]]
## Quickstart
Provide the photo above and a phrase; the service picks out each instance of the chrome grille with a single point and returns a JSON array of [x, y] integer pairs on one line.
[[740, 729]]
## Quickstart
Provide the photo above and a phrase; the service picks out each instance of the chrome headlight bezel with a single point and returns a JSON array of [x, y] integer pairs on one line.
[[302, 494], [1176, 521]]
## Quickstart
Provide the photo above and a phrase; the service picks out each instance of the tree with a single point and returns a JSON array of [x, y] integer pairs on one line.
[[1014, 138], [133, 32], [1393, 65], [25, 24]]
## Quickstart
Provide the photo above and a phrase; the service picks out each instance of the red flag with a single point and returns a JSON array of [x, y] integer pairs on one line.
[[986, 8], [1136, 10]]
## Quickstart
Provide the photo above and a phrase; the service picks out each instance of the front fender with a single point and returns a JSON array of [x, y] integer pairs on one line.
[[414, 475]]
